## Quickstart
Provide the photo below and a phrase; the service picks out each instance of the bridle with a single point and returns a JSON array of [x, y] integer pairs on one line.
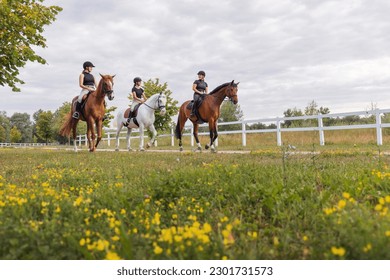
[[160, 105], [228, 94], [105, 90]]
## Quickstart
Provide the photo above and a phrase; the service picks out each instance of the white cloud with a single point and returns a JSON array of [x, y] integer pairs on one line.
[[285, 53]]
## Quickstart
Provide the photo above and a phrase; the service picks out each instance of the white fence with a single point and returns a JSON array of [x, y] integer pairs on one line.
[[26, 144], [378, 125]]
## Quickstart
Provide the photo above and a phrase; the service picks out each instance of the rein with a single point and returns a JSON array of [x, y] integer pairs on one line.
[[160, 107]]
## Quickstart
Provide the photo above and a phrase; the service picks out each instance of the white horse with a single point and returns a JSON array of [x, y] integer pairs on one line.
[[145, 119]]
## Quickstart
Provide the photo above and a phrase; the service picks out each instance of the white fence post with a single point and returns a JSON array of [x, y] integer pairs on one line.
[[278, 133], [378, 127], [108, 139], [321, 129], [86, 142], [172, 137], [244, 134]]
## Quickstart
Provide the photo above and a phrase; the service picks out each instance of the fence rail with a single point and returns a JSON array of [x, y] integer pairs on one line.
[[26, 144], [278, 121]]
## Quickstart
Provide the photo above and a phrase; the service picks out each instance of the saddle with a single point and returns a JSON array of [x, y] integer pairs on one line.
[[131, 115], [82, 105], [197, 105]]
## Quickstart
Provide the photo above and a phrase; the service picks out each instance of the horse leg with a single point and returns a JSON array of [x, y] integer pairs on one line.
[[74, 131], [196, 129], [213, 135], [141, 137], [118, 131], [99, 128], [91, 136], [128, 139], [181, 120], [151, 142]]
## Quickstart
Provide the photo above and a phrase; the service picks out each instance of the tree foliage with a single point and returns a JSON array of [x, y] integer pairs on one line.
[[23, 123], [44, 126], [230, 113], [22, 23], [15, 135]]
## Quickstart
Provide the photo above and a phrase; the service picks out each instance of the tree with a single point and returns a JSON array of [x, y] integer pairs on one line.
[[152, 87], [22, 23], [230, 113], [15, 135], [3, 134], [44, 125], [5, 123], [293, 113], [23, 123]]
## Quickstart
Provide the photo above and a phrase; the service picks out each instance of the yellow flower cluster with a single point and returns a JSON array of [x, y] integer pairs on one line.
[[341, 204]]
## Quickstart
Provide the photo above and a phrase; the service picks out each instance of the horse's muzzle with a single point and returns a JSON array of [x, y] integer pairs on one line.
[[163, 111]]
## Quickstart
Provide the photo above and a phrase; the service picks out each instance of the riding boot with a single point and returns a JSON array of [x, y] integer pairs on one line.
[[76, 114], [193, 109]]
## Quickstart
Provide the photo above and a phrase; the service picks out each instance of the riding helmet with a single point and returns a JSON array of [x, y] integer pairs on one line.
[[202, 73], [137, 79], [88, 64]]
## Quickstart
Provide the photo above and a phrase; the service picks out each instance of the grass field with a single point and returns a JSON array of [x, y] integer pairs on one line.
[[273, 203]]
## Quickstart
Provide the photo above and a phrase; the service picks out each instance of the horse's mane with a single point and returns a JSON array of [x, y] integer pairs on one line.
[[218, 88]]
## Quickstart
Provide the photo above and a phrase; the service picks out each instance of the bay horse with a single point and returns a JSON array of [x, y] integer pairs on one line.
[[92, 113], [145, 119], [209, 111]]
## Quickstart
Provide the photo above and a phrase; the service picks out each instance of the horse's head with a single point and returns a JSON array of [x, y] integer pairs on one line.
[[231, 92], [161, 102], [108, 86]]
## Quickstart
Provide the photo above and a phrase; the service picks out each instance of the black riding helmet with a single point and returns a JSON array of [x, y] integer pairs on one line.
[[88, 64], [137, 79], [202, 73]]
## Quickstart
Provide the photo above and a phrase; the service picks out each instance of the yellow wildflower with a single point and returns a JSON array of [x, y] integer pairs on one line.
[[367, 248], [338, 251], [82, 242], [378, 207], [346, 195], [342, 204], [112, 256], [157, 250], [276, 241]]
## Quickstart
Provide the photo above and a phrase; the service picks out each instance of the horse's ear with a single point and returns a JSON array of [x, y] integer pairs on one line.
[[237, 83], [232, 83], [101, 75], [113, 76]]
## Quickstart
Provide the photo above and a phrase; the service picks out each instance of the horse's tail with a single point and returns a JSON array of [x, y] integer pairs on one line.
[[181, 119], [67, 125]]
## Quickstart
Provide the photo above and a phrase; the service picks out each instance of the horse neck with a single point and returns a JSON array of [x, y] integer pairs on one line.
[[98, 94], [151, 102], [219, 96]]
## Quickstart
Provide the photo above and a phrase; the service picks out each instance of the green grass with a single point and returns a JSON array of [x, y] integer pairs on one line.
[[269, 204]]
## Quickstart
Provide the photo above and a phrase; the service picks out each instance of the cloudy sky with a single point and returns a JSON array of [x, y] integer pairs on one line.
[[284, 53]]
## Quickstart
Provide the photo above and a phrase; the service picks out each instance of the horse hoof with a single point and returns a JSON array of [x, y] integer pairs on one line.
[[116, 149], [142, 150], [181, 149], [148, 145], [213, 150], [207, 147], [130, 149]]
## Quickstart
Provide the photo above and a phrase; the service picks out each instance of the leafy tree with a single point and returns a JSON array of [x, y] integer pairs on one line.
[[23, 123], [15, 135], [293, 113], [44, 123], [152, 87], [5, 123], [230, 113], [22, 23], [109, 116], [3, 134]]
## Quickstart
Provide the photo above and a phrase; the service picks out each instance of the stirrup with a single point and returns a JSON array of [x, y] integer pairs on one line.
[[76, 115]]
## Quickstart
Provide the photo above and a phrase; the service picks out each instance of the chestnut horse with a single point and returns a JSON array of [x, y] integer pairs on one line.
[[93, 113], [209, 111]]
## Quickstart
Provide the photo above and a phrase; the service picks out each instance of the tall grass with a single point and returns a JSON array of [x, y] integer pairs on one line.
[[270, 204]]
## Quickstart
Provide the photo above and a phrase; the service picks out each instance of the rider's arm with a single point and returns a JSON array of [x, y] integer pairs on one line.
[[144, 96], [195, 90], [207, 90]]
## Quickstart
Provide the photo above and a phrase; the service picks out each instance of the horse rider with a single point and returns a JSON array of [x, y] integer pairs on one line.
[[138, 93], [87, 83], [199, 87]]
